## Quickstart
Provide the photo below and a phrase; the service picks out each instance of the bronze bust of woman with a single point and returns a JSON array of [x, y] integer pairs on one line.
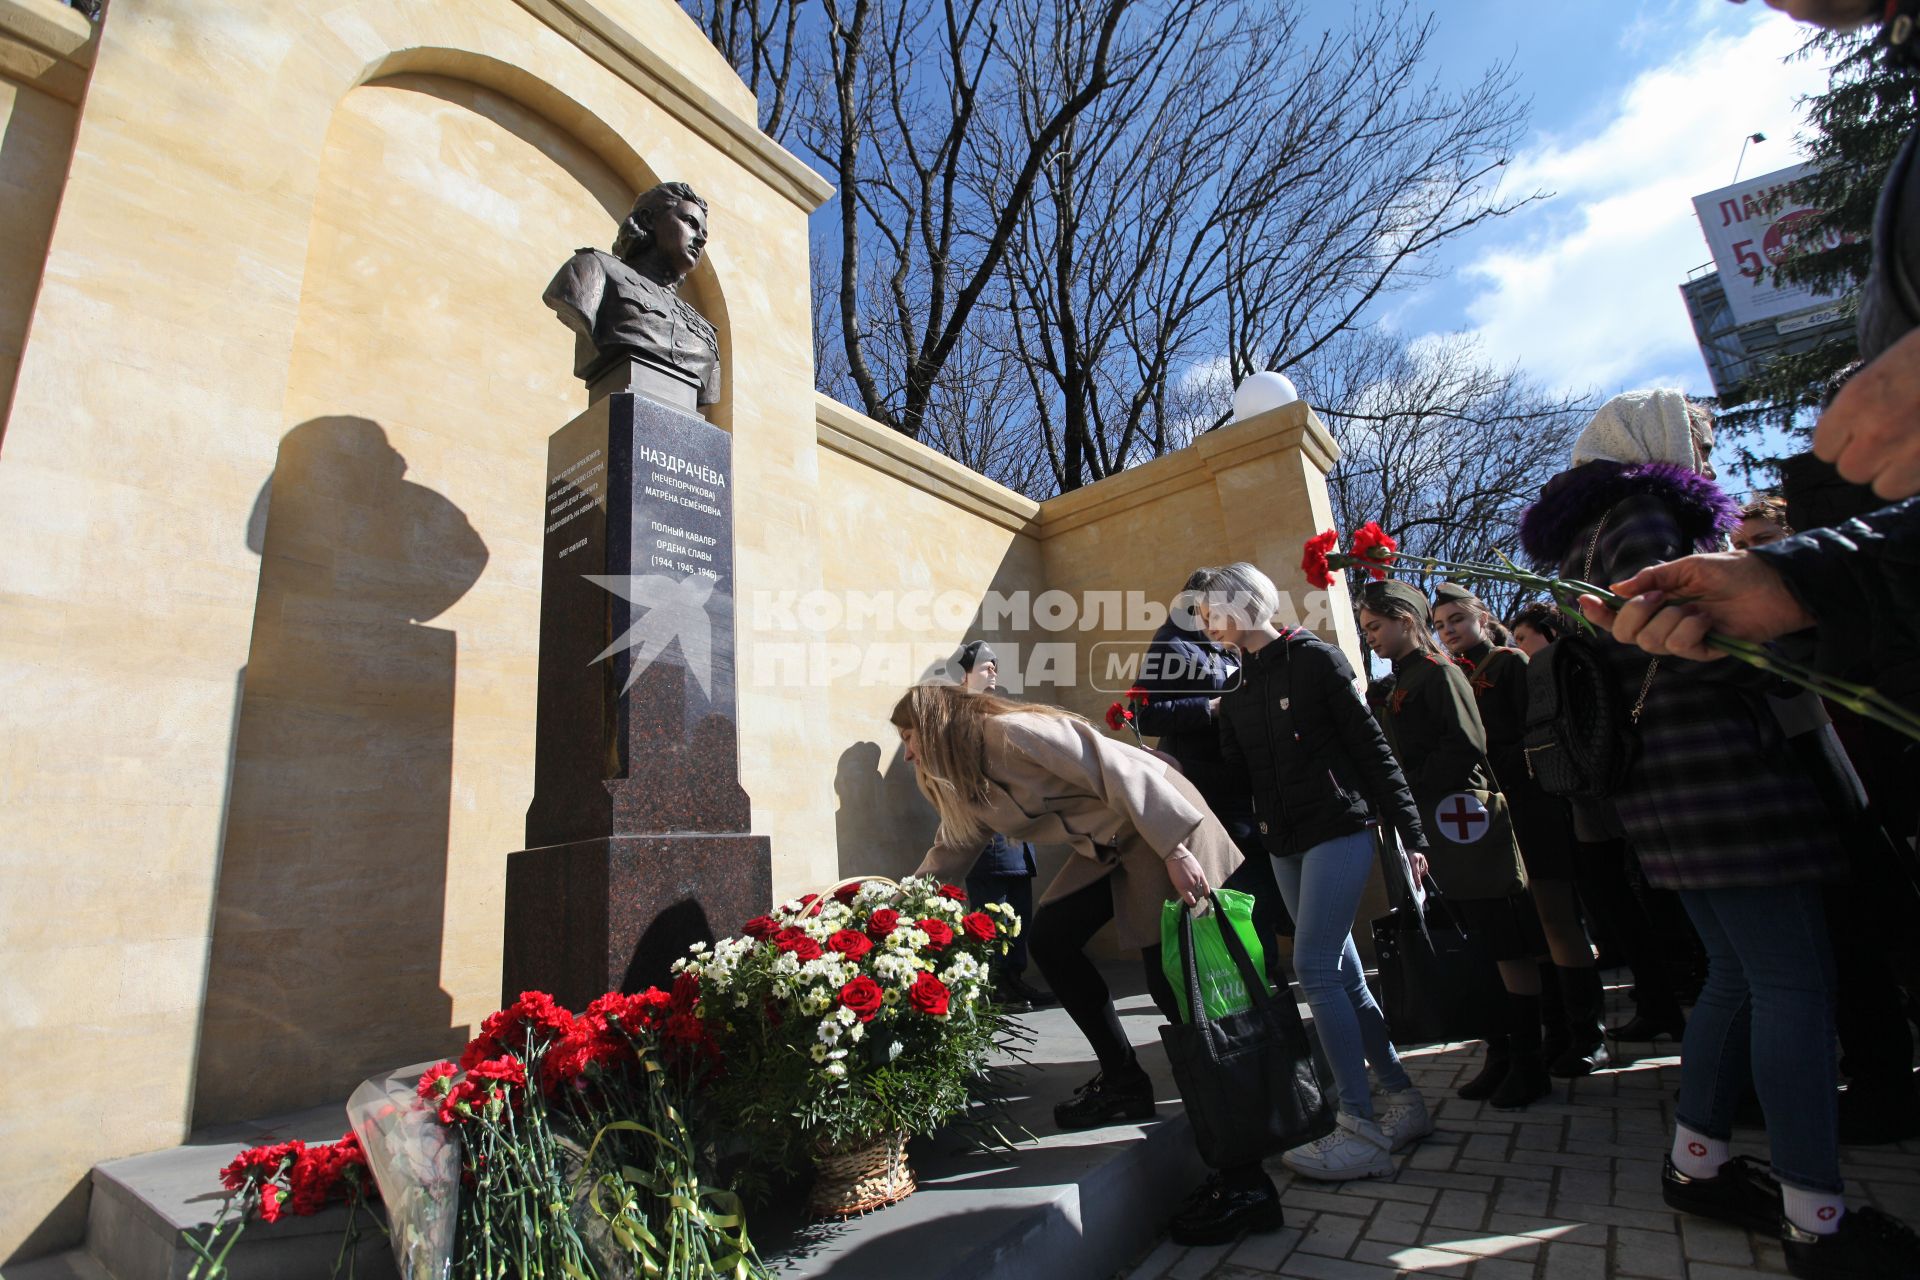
[[625, 306]]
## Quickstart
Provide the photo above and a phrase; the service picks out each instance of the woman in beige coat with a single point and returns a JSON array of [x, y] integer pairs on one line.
[[1140, 833]]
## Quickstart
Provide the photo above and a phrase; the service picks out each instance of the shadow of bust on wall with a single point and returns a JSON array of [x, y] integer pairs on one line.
[[328, 915]]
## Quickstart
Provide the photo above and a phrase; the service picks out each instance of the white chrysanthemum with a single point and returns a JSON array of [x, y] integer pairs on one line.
[[819, 1053], [873, 893], [856, 1031], [829, 1031], [837, 1069], [846, 1016], [787, 963]]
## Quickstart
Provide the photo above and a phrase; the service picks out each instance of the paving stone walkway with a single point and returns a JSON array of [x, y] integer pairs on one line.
[[1566, 1190]]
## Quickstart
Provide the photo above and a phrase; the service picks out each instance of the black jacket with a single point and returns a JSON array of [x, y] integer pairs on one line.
[[1182, 674], [1315, 757], [1861, 580]]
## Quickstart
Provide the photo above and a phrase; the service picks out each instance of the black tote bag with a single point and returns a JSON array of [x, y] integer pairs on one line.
[[1434, 985], [1250, 1081]]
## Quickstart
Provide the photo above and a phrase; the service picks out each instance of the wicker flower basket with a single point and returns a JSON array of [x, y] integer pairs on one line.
[[860, 1177]]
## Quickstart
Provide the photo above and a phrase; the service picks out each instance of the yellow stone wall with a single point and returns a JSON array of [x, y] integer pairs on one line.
[[270, 494], [299, 247], [45, 51]]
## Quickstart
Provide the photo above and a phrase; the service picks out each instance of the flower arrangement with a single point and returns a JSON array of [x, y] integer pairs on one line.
[[864, 1012], [1377, 554], [576, 1158]]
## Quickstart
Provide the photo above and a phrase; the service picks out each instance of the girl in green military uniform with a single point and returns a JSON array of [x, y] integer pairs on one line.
[[1576, 1036], [1434, 726]]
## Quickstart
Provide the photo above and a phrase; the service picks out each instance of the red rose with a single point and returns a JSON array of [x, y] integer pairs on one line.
[[429, 1086], [882, 922], [980, 927], [863, 996], [939, 933], [760, 928], [928, 995], [845, 893], [1370, 538], [1313, 558], [850, 944], [953, 893], [799, 942]]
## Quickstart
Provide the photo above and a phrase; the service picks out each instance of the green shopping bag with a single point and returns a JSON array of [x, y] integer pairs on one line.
[[1223, 987]]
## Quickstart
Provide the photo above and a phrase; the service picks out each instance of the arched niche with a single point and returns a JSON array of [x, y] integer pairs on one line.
[[382, 760]]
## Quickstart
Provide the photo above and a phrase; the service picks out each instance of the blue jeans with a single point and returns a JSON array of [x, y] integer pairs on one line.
[[1767, 1007], [1322, 888]]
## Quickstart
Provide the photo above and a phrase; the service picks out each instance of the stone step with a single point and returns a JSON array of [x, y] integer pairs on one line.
[[75, 1264], [141, 1206], [1065, 1205]]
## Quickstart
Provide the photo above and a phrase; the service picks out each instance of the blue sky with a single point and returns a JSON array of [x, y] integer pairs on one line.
[[1636, 108]]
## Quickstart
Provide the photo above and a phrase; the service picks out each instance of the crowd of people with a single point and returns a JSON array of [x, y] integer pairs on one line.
[[1752, 858]]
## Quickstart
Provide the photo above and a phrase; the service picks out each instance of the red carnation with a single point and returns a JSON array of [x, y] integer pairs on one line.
[[429, 1086], [259, 1163], [465, 1094], [637, 1012], [953, 893], [1368, 539], [270, 1197], [1136, 694], [506, 1069], [928, 995], [980, 927], [1117, 714], [760, 928], [882, 922], [686, 992], [939, 933], [863, 996], [850, 944], [1314, 558]]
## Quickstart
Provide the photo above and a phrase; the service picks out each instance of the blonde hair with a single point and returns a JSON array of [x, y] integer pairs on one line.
[[949, 727], [1240, 589]]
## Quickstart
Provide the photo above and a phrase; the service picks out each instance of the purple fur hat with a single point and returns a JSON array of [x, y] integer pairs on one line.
[[1576, 497]]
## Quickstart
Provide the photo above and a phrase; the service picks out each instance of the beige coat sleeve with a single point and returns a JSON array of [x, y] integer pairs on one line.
[[1126, 779], [949, 861]]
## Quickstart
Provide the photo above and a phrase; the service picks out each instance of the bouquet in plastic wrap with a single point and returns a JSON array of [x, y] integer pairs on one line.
[[415, 1160]]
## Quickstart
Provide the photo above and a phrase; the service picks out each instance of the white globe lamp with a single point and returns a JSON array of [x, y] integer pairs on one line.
[[1262, 392]]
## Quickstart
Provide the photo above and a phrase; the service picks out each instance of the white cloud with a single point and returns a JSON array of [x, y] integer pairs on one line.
[[1586, 295]]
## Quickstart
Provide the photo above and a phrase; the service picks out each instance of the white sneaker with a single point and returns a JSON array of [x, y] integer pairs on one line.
[[1355, 1149], [1405, 1119]]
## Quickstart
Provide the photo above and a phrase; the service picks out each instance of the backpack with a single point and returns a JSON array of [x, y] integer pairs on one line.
[[1580, 740]]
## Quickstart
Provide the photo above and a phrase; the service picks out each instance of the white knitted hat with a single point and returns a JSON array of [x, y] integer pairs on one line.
[[1639, 426]]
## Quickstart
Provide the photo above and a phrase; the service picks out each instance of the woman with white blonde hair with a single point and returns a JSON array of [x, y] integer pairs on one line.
[[1141, 836], [1319, 769]]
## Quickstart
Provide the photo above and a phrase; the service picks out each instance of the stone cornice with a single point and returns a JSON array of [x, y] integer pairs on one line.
[[47, 46], [856, 436], [617, 49]]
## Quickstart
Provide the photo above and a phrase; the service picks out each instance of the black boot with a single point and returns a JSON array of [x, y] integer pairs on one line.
[[1586, 1048], [1492, 1071], [1868, 1246], [1123, 1095], [1527, 1080], [1553, 1014], [1232, 1202]]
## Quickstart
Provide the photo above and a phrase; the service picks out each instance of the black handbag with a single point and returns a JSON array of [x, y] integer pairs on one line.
[[1437, 991], [1251, 1081]]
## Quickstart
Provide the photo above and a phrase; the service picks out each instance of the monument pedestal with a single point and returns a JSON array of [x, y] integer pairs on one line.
[[637, 837], [612, 914]]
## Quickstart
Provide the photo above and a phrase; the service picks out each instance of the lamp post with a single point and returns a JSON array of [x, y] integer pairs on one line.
[[1744, 144]]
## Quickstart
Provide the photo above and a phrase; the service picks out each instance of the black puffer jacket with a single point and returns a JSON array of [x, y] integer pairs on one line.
[[1314, 755]]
